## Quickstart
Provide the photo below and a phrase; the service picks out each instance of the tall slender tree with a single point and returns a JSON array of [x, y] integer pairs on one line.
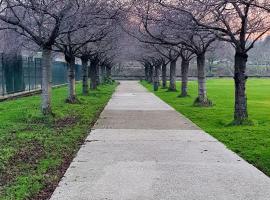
[[186, 56], [42, 22]]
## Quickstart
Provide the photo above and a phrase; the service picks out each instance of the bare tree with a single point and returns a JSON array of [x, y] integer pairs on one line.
[[239, 22], [165, 26], [152, 59], [70, 46], [199, 42], [97, 18], [84, 54], [170, 55], [164, 73], [89, 55], [41, 22]]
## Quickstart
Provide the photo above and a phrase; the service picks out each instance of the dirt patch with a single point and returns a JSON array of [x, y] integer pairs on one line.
[[66, 122], [26, 157]]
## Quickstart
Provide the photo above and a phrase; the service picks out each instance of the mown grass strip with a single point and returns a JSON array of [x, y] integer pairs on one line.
[[35, 150]]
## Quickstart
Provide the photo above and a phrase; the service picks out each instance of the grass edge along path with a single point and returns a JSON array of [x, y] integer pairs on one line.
[[250, 142], [35, 151]]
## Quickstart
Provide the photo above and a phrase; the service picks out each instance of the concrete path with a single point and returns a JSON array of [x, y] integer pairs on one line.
[[142, 149]]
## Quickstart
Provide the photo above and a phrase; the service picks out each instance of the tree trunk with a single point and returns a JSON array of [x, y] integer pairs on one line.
[[172, 75], [71, 80], [93, 76], [240, 78], [108, 72], [164, 75], [97, 75], [46, 82], [146, 71], [103, 75], [151, 73], [184, 72], [85, 89], [156, 77], [202, 99]]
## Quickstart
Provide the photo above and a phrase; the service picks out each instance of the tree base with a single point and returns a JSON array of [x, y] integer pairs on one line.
[[47, 112], [183, 95], [203, 103], [72, 100], [85, 93], [93, 87], [164, 87], [171, 90], [156, 87], [242, 122], [85, 90]]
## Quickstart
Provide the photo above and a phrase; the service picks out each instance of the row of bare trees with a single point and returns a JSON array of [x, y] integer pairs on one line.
[[82, 29], [171, 29], [167, 30]]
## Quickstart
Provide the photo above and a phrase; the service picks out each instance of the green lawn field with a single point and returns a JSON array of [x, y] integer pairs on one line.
[[35, 150], [250, 142]]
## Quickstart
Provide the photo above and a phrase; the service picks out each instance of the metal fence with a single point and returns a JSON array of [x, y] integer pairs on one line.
[[20, 74]]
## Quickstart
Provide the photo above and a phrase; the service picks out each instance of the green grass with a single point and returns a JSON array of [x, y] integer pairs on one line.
[[36, 150], [250, 142]]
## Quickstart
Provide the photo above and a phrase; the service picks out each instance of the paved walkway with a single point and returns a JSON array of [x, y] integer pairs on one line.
[[142, 149]]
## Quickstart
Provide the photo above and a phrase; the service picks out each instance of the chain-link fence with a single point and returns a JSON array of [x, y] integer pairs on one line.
[[20, 74]]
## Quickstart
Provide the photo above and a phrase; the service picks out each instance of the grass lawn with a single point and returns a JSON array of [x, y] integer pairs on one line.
[[250, 142], [35, 151]]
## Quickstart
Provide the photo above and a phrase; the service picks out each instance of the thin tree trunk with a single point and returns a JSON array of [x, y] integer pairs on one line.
[[156, 77], [85, 88], [93, 74], [103, 75], [97, 75], [71, 81], [164, 75], [202, 99], [240, 112], [151, 73], [172, 75], [146, 72], [46, 83], [108, 72], [184, 71]]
